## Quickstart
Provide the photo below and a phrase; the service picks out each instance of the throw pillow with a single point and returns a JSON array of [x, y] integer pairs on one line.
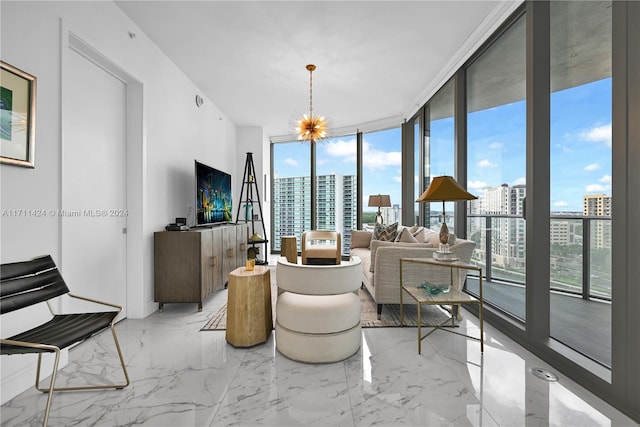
[[386, 234], [360, 238], [405, 236], [415, 229], [452, 239], [432, 237]]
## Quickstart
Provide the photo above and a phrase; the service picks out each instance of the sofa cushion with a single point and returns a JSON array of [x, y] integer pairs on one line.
[[406, 236], [365, 256], [386, 234], [360, 239]]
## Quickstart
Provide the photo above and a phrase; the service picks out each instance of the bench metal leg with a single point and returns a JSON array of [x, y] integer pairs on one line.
[[90, 387], [52, 387]]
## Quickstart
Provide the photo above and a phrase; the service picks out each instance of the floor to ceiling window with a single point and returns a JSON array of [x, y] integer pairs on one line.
[[551, 105], [419, 184], [580, 151], [336, 186], [381, 174], [440, 149], [291, 191], [496, 150]]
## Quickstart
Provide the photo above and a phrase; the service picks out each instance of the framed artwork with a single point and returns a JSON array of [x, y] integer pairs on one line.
[[17, 116]]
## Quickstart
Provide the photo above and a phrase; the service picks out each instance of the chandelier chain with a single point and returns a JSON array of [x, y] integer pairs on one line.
[[311, 92]]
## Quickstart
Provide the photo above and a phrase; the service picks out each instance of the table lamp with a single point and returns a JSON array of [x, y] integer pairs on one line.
[[445, 189], [380, 200]]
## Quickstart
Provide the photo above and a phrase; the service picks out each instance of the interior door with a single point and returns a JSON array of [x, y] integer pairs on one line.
[[94, 211]]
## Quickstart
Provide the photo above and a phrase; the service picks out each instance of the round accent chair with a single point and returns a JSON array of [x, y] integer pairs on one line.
[[318, 311]]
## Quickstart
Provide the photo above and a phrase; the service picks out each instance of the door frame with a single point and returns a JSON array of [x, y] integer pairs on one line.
[[72, 44]]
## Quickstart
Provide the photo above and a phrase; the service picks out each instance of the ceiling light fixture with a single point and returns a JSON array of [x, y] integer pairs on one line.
[[311, 127]]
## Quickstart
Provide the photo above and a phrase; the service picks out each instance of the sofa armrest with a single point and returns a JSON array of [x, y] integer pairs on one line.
[[378, 244]]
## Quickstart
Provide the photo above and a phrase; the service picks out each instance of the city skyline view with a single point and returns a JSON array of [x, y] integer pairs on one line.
[[580, 150]]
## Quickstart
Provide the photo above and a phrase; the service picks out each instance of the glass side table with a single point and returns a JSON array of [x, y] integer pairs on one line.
[[453, 297]]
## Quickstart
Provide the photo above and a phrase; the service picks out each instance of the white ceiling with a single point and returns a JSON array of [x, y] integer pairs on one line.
[[377, 61]]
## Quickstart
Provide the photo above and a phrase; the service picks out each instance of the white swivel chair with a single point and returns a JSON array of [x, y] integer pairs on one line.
[[318, 310]]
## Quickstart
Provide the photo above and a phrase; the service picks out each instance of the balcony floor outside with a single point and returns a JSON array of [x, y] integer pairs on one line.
[[583, 325]]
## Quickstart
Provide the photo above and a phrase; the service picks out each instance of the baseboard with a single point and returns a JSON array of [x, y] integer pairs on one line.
[[21, 372]]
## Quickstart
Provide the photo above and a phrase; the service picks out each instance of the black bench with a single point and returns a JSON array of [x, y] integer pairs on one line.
[[24, 284]]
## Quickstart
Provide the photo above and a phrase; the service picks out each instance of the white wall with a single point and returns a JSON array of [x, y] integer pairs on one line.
[[175, 131]]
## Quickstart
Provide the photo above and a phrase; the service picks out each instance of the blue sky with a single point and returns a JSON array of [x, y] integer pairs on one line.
[[580, 149], [580, 145]]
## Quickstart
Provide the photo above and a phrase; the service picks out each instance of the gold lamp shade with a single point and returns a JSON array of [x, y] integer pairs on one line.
[[444, 189]]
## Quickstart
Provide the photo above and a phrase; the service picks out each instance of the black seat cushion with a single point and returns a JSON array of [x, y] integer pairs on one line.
[[61, 331]]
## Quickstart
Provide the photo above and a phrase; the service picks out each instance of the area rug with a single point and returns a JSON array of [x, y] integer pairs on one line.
[[431, 315]]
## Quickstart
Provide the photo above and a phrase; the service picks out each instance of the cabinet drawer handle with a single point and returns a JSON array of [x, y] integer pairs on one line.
[[215, 262], [230, 252]]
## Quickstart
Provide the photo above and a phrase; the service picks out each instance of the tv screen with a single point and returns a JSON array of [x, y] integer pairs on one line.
[[213, 195]]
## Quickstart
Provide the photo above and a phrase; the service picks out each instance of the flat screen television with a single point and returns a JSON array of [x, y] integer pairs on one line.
[[213, 195]]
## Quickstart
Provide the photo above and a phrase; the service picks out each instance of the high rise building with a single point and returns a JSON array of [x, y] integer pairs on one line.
[[564, 232], [391, 214], [598, 205], [336, 206], [292, 207], [507, 232]]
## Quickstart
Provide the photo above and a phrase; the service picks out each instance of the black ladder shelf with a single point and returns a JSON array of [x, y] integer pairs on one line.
[[249, 199]]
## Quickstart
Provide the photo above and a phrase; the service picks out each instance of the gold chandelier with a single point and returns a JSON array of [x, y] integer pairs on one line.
[[311, 127]]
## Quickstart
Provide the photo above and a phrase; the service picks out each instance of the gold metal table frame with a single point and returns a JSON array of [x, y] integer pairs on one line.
[[454, 297]]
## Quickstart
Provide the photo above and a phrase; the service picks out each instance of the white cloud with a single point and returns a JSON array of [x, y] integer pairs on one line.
[[496, 145], [376, 159], [486, 164], [291, 161], [601, 134], [564, 148], [560, 204], [592, 167], [342, 148], [604, 185], [520, 181], [476, 185], [397, 178], [595, 188]]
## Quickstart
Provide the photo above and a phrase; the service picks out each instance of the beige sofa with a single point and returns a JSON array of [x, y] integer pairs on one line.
[[381, 262]]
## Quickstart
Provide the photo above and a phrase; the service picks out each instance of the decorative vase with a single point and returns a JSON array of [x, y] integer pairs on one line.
[[444, 233]]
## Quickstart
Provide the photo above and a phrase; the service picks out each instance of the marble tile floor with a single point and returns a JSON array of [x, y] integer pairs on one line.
[[183, 377]]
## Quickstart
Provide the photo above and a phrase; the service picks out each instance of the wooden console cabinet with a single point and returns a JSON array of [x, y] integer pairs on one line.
[[191, 265]]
